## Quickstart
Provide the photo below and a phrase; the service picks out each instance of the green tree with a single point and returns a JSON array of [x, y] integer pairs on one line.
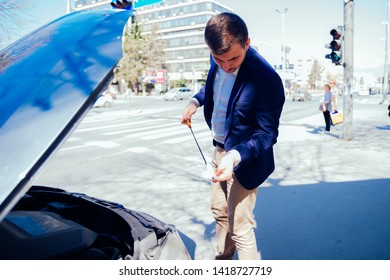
[[332, 77], [140, 52], [182, 82], [315, 75]]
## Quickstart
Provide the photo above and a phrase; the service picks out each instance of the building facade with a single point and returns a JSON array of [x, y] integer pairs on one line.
[[180, 24], [78, 5]]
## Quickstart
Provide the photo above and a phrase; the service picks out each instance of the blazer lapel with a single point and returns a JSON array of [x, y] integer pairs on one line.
[[237, 88], [236, 91], [235, 94], [208, 99]]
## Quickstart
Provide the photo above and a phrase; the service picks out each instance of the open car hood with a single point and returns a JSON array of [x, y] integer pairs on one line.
[[49, 79]]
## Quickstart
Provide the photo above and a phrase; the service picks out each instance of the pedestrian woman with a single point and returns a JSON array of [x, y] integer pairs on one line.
[[388, 108], [335, 94], [327, 106]]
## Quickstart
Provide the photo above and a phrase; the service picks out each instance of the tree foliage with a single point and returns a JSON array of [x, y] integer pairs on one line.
[[315, 75], [140, 52]]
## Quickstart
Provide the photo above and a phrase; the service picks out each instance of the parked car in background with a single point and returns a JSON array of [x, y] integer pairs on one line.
[[49, 80], [362, 91], [301, 95], [112, 90], [374, 90], [110, 93], [103, 101], [180, 93]]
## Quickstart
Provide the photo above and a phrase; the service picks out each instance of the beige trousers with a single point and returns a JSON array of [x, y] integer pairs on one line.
[[232, 207]]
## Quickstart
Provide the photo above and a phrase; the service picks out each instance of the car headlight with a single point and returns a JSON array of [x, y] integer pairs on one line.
[[173, 248]]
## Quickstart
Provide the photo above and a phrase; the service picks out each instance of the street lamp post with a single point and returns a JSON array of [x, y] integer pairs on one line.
[[181, 58], [283, 12], [68, 7], [385, 67], [348, 57]]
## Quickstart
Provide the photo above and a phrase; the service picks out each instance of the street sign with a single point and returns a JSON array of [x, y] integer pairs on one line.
[[142, 3], [155, 76]]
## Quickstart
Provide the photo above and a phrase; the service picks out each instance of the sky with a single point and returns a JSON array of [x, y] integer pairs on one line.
[[308, 23], [307, 26]]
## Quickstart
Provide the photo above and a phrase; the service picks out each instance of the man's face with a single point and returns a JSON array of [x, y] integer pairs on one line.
[[232, 59]]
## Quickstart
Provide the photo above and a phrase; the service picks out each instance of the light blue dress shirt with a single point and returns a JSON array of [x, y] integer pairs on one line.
[[222, 88]]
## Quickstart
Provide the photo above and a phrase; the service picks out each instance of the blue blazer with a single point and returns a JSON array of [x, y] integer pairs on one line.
[[252, 117]]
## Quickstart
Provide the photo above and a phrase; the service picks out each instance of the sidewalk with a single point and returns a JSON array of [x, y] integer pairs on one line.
[[328, 198]]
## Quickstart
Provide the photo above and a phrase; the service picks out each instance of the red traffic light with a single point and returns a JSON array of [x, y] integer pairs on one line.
[[336, 33]]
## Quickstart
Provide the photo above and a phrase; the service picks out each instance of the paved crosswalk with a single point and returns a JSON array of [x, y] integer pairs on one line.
[[138, 132], [140, 129]]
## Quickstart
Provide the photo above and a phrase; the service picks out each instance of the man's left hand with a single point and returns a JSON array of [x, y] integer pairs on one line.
[[224, 171]]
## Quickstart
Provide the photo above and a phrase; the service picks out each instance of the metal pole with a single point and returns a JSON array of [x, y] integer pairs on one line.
[[68, 7], [283, 47], [348, 69], [385, 67], [181, 58], [188, 123]]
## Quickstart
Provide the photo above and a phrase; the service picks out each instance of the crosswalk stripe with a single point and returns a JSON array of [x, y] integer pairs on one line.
[[124, 131], [177, 127], [114, 126], [172, 132], [98, 120], [163, 129], [153, 136], [187, 138], [165, 134]]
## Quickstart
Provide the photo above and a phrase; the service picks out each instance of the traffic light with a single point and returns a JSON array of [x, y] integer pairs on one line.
[[336, 45], [124, 4]]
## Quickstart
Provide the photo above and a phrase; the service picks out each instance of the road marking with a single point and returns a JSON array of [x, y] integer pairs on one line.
[[139, 129], [100, 144], [138, 150], [187, 138], [170, 131], [166, 134], [115, 125], [97, 120], [157, 131]]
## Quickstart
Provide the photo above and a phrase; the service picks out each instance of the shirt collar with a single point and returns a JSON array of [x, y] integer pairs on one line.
[[235, 73]]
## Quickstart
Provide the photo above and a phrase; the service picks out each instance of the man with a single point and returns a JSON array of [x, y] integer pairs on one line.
[[243, 99]]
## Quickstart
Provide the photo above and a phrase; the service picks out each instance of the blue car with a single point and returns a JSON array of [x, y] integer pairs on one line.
[[49, 80]]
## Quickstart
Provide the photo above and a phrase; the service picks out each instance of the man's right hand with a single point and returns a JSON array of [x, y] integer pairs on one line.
[[188, 111]]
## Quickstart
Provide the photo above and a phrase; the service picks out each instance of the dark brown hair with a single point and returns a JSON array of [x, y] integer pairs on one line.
[[223, 31]]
